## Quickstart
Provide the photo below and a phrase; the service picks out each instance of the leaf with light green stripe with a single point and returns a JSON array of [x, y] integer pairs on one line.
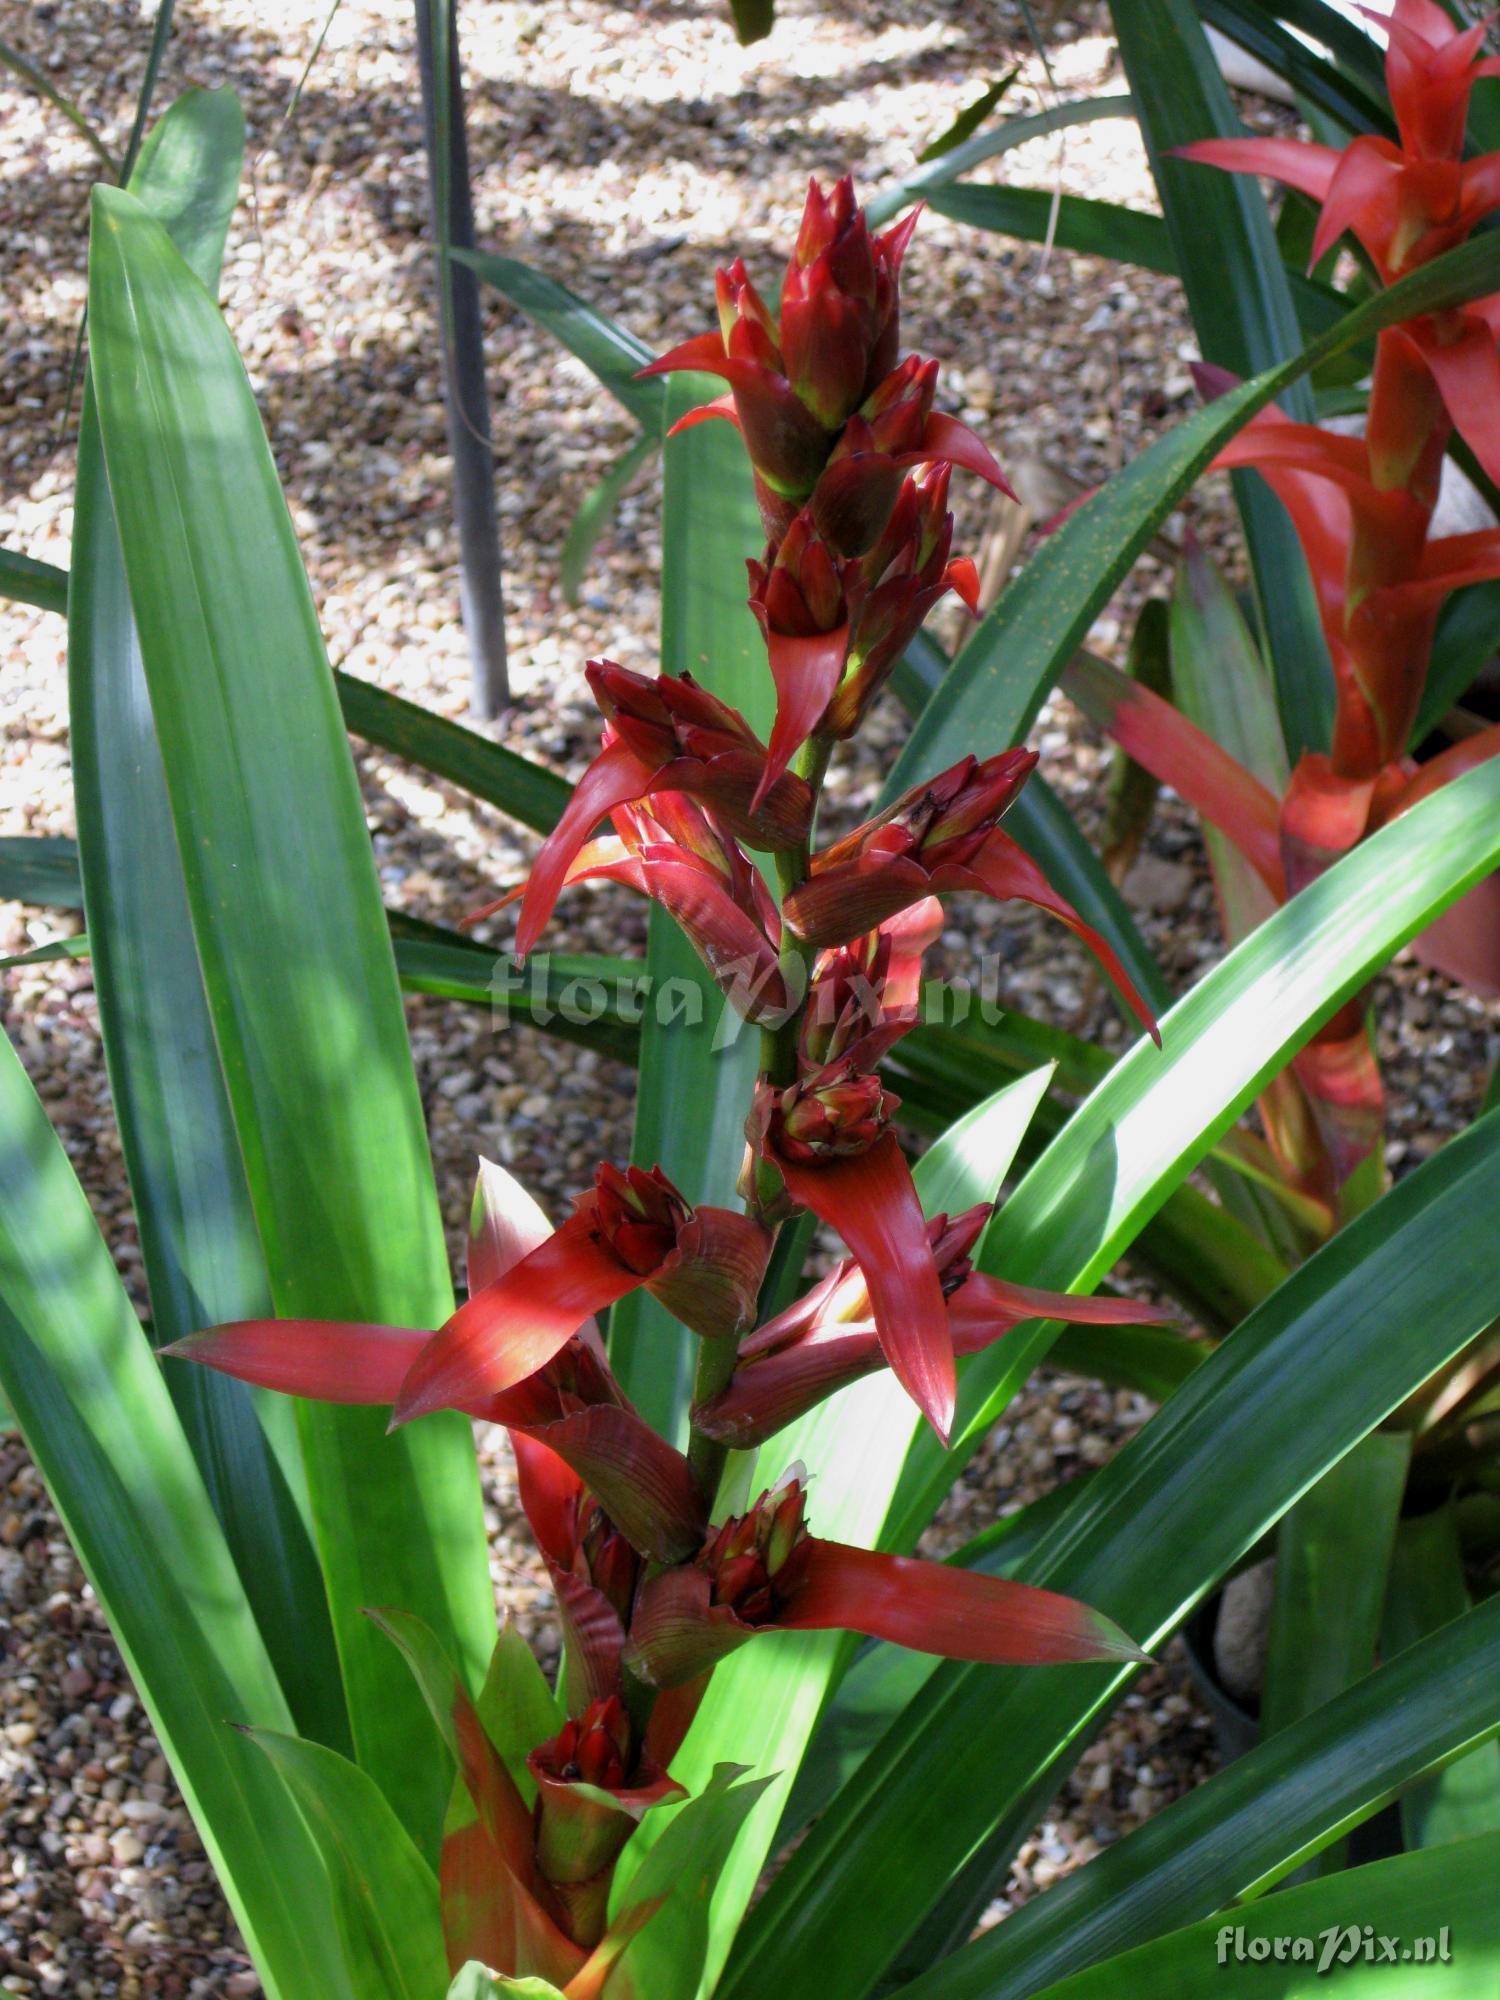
[[1427, 1593], [199, 1242], [100, 1425], [1442, 1902], [296, 959], [1254, 1821], [385, 1894], [987, 145], [691, 1110], [998, 682], [1074, 1212], [1105, 229], [527, 791]]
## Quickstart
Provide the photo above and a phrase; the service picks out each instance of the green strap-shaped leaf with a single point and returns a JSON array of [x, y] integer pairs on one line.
[[198, 1236], [987, 145], [295, 955], [611, 355], [527, 791], [100, 1425], [40, 869], [1333, 1555], [1350, 90], [666, 1958], [385, 1894], [594, 512], [1166, 1542], [28, 581], [1253, 1821], [23, 67], [1419, 1927], [691, 1110], [1106, 229], [1000, 679]]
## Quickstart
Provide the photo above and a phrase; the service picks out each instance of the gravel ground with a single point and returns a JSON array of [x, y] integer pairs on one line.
[[626, 149]]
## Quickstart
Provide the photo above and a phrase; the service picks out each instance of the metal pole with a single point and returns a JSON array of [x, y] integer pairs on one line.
[[464, 391]]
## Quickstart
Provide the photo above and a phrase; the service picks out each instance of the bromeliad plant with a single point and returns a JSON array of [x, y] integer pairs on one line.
[[660, 1571], [1362, 508], [713, 1714]]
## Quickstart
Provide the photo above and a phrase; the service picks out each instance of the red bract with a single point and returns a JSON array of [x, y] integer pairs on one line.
[[829, 1139], [763, 1572], [677, 853], [938, 838], [665, 736], [864, 996], [632, 1228], [828, 1339]]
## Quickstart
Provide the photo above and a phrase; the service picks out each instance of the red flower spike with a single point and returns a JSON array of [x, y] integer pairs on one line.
[[763, 1572], [513, 1328], [644, 1485], [674, 853], [896, 429], [828, 1340], [827, 1137], [593, 1787], [822, 381], [835, 625]]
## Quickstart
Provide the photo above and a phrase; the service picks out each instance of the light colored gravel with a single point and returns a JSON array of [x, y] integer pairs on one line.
[[627, 150]]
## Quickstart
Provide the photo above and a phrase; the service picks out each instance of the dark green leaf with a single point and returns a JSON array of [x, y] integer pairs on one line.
[[613, 356], [27, 581], [916, 185], [968, 121], [1252, 1823]]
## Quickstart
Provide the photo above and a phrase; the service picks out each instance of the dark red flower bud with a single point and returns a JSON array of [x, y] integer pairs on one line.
[[593, 1785], [823, 379], [839, 306], [640, 1215], [833, 1116]]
